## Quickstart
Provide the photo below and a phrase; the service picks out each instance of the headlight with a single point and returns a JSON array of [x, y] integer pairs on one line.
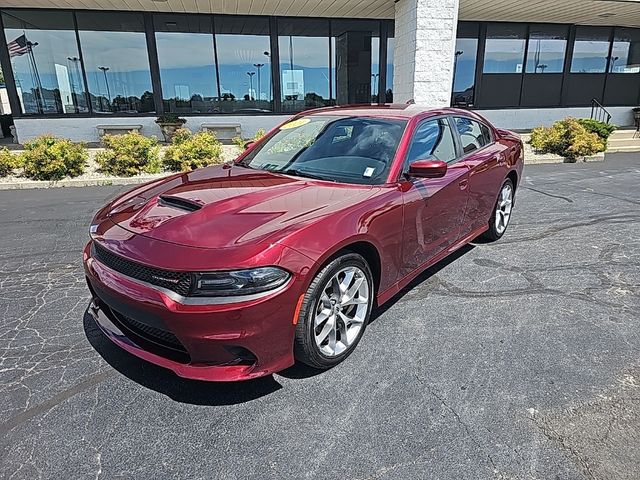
[[239, 282]]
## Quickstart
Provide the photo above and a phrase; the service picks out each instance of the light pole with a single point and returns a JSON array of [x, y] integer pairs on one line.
[[251, 74], [613, 63], [106, 81], [259, 67], [375, 76]]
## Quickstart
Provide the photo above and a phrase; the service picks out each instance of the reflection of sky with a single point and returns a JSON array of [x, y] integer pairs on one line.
[[465, 64]]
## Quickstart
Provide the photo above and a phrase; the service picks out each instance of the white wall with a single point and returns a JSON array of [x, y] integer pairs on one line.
[[425, 40], [84, 129], [525, 119]]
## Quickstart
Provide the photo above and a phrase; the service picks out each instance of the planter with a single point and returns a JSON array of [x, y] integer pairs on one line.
[[169, 130]]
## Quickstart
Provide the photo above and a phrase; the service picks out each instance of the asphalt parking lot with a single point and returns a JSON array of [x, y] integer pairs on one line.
[[513, 360]]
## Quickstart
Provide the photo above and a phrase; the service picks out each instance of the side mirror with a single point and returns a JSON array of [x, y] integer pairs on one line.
[[428, 169], [249, 144]]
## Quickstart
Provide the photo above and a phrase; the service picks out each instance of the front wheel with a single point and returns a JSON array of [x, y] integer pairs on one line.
[[335, 312], [501, 213]]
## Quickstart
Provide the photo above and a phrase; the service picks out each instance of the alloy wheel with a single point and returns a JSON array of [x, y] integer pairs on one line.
[[503, 208], [341, 311]]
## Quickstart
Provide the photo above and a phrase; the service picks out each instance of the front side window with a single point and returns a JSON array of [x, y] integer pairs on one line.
[[473, 135], [590, 50], [114, 50], [432, 140], [336, 148], [46, 64]]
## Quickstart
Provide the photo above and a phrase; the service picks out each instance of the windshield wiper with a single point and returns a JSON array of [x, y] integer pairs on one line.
[[302, 173]]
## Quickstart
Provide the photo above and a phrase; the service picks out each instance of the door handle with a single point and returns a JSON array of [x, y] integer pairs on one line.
[[463, 184]]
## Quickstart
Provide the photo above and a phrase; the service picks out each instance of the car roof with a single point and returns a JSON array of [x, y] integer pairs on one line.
[[389, 110]]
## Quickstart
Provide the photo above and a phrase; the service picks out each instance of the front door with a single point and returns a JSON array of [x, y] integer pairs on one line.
[[434, 208]]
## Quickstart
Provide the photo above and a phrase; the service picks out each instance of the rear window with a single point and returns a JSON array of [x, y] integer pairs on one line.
[[474, 135]]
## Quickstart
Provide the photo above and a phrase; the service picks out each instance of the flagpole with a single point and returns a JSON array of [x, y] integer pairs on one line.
[[42, 103]]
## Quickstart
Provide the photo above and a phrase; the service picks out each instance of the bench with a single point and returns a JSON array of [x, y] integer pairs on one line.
[[223, 131], [115, 129]]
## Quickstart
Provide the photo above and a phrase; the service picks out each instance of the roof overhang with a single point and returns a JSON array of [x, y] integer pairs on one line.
[[586, 12]]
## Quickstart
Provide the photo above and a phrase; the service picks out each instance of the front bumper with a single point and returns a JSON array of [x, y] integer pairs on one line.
[[213, 342]]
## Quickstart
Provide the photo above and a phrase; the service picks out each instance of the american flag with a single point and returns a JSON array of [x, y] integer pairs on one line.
[[18, 46]]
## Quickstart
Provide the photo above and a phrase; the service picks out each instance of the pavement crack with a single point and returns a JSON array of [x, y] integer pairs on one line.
[[566, 199], [57, 399]]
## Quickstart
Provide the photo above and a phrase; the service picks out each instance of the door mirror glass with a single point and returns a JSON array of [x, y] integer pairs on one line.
[[428, 169]]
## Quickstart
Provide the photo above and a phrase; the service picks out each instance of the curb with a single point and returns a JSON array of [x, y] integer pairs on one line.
[[77, 182], [540, 159]]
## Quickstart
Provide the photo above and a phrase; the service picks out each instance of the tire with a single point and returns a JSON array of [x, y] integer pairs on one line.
[[324, 342], [502, 211]]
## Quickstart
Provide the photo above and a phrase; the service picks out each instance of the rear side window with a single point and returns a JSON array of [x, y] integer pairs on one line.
[[432, 140], [473, 135]]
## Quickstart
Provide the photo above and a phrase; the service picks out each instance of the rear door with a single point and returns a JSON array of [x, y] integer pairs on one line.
[[433, 207], [485, 159]]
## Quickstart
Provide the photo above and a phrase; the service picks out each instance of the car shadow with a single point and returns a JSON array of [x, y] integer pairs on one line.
[[428, 273], [164, 381]]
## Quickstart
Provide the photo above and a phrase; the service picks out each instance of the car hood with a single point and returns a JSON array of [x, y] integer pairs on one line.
[[219, 207]]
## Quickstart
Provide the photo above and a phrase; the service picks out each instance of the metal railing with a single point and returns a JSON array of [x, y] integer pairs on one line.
[[598, 112]]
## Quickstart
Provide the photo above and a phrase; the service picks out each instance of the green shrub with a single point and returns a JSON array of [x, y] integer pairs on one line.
[[567, 138], [241, 143], [603, 130], [129, 154], [51, 158], [8, 161], [189, 151]]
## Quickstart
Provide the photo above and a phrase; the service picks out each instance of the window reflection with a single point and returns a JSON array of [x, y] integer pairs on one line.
[[46, 65], [625, 55], [187, 65], [504, 48], [547, 46], [304, 63], [389, 92], [464, 72], [115, 56], [590, 50], [244, 63]]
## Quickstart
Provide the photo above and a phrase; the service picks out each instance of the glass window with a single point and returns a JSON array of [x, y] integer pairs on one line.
[[114, 49], [46, 63], [473, 135], [356, 53], [590, 50], [331, 147], [504, 48], [432, 140], [547, 46], [304, 63], [464, 64], [625, 56], [187, 63], [390, 53], [244, 63]]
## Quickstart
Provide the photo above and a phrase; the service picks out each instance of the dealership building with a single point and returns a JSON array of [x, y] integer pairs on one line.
[[78, 68]]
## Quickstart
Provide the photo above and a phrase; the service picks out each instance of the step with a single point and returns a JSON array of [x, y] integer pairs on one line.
[[635, 148], [624, 142]]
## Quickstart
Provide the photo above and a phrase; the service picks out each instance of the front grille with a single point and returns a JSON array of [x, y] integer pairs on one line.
[[179, 282], [155, 339]]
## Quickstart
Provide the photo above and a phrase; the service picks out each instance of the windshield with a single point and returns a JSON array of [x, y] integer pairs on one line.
[[335, 148]]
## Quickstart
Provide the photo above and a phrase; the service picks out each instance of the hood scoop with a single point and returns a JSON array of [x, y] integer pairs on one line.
[[179, 203]]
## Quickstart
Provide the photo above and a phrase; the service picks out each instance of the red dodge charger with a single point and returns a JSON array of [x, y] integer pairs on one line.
[[236, 271]]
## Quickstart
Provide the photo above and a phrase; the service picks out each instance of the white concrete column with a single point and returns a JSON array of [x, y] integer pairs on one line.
[[425, 41]]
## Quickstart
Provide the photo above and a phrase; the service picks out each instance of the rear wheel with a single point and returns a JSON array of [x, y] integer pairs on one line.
[[335, 312], [499, 220]]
